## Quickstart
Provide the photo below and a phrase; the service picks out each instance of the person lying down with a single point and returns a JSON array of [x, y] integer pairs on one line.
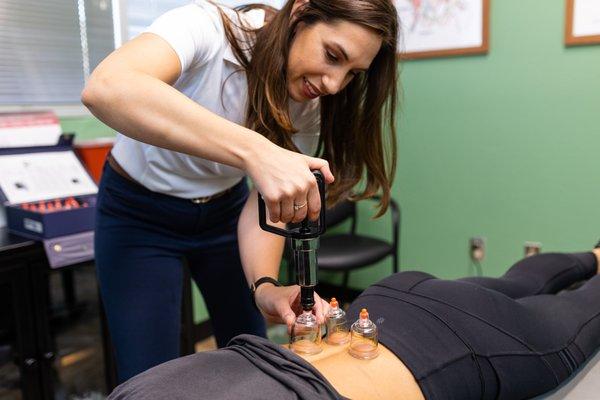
[[512, 337]]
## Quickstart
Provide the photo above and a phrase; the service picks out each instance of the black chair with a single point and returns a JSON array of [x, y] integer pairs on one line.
[[345, 252]]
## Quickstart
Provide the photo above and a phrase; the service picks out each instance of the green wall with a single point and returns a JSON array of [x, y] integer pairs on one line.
[[504, 145], [85, 128]]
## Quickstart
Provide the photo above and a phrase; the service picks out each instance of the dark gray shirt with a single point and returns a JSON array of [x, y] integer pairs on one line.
[[249, 368]]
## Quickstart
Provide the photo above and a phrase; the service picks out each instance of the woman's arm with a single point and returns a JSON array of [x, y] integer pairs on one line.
[[261, 252], [130, 91]]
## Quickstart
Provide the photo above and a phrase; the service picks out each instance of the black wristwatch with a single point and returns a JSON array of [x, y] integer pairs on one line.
[[260, 281]]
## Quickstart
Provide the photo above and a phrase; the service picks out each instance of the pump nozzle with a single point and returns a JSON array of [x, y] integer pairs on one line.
[[307, 297]]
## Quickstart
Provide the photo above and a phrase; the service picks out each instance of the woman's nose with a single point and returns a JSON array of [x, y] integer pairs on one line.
[[334, 82]]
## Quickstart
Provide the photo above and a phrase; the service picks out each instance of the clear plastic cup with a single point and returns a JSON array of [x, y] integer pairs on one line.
[[306, 335], [337, 325], [363, 338]]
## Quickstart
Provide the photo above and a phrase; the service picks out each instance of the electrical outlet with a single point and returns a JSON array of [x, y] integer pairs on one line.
[[477, 248], [532, 248]]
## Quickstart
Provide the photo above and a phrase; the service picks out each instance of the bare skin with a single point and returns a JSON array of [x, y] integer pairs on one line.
[[382, 378], [597, 253]]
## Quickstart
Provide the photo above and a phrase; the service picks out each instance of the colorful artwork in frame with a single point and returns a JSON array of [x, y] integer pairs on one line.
[[440, 28], [582, 22]]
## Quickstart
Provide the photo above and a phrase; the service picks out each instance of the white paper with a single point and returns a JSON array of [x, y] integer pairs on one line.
[[30, 136], [31, 177], [29, 129], [439, 24], [586, 18]]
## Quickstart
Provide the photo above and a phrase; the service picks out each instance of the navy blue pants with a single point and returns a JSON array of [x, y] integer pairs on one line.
[[480, 338], [142, 239]]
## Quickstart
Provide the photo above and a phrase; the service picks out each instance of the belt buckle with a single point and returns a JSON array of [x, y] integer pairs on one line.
[[201, 200], [206, 199]]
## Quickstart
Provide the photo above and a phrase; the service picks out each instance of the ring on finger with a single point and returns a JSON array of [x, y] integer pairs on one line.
[[299, 206]]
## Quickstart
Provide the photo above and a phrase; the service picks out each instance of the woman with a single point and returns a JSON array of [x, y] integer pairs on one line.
[[203, 98], [502, 338]]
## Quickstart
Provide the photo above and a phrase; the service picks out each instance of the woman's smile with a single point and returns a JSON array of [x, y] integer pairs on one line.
[[310, 91]]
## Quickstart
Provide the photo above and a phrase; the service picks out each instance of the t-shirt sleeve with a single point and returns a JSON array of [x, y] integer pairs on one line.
[[193, 31]]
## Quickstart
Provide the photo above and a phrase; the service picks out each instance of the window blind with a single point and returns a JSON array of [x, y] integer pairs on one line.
[[48, 47]]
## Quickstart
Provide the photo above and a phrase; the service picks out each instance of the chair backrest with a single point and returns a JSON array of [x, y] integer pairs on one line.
[[340, 212]]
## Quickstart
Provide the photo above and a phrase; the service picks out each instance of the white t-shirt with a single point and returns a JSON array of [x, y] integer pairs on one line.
[[197, 35]]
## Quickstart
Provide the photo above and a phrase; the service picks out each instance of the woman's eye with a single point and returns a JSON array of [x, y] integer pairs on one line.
[[331, 56]]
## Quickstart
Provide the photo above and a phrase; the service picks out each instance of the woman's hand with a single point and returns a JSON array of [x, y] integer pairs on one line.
[[285, 180], [281, 304]]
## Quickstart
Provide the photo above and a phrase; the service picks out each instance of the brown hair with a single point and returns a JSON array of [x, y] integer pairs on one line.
[[352, 121]]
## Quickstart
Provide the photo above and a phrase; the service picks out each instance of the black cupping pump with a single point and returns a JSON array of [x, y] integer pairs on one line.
[[305, 242]]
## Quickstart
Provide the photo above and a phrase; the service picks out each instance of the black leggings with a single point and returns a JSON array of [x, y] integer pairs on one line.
[[490, 338]]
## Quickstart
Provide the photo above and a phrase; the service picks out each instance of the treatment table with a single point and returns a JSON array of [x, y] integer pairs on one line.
[[584, 385]]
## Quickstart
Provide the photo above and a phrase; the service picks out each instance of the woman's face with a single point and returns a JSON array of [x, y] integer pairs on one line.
[[324, 57]]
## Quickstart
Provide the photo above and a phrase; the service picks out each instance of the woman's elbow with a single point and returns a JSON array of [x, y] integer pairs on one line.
[[90, 96], [87, 97], [97, 91]]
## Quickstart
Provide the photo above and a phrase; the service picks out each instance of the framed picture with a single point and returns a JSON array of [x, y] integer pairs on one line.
[[582, 22], [440, 28]]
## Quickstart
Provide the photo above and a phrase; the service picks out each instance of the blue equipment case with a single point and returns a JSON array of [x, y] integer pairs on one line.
[[67, 233]]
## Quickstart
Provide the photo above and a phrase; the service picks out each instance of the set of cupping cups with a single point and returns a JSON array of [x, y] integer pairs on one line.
[[306, 333]]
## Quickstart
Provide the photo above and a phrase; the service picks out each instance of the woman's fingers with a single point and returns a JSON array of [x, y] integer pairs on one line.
[[273, 302], [287, 184], [314, 202], [288, 317], [287, 210], [321, 165], [321, 309], [274, 208], [277, 304], [300, 209], [293, 204], [285, 313], [313, 196]]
